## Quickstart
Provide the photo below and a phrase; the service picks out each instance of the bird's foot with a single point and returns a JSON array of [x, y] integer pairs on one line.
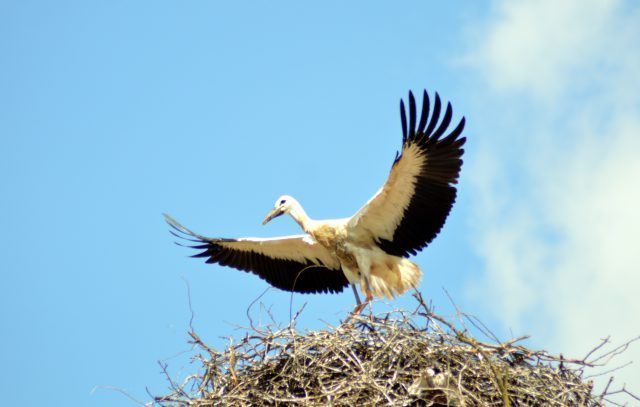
[[356, 311]]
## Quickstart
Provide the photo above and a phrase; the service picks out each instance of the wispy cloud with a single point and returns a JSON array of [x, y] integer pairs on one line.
[[558, 225], [544, 47]]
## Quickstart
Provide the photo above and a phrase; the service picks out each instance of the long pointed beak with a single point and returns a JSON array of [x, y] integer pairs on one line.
[[275, 212]]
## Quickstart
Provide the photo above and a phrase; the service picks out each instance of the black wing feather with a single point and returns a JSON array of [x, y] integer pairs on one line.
[[446, 120], [425, 112], [412, 115], [403, 119], [434, 116]]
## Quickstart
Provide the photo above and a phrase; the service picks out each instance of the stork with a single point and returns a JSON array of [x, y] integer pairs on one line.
[[371, 248]]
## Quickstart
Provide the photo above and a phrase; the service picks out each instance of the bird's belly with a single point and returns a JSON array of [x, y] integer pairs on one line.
[[348, 262], [347, 259]]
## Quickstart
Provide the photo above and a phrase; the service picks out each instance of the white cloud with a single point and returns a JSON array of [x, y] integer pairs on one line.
[[534, 46], [559, 227]]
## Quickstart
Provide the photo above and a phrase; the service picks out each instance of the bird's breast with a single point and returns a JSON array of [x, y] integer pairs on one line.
[[327, 236]]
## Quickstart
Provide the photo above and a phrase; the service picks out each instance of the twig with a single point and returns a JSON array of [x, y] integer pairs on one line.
[[606, 372], [119, 390], [186, 282], [253, 327]]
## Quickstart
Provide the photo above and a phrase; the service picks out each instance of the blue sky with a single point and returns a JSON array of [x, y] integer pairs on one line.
[[112, 113]]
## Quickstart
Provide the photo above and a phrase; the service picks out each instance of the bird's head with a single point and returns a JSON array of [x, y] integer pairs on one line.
[[283, 205]]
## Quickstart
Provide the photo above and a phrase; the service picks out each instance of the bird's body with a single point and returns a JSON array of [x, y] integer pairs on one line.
[[378, 273], [371, 247]]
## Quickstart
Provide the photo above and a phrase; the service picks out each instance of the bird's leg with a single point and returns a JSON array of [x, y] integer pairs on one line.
[[369, 302], [358, 309], [355, 292], [363, 264], [361, 305]]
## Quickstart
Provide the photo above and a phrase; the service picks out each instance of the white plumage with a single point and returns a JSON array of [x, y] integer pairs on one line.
[[369, 249]]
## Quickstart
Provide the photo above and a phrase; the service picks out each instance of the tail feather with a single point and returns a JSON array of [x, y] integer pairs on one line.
[[392, 277]]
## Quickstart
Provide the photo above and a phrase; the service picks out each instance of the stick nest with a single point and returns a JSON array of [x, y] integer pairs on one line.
[[399, 359]]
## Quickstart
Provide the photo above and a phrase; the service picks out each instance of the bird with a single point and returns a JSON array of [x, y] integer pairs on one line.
[[370, 249]]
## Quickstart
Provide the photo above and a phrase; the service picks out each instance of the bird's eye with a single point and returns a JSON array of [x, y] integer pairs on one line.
[[282, 202]]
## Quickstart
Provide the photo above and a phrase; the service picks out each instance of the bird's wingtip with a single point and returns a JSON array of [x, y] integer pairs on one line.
[[172, 222], [176, 225], [183, 232]]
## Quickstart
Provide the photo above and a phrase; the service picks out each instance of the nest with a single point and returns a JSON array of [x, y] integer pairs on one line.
[[399, 358]]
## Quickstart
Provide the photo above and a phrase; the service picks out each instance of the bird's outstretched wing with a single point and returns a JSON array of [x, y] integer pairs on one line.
[[407, 213], [291, 263]]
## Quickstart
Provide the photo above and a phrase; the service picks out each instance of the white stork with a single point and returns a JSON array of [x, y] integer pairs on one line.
[[371, 247]]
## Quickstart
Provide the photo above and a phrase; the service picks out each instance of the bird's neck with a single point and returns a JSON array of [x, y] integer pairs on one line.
[[300, 216]]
